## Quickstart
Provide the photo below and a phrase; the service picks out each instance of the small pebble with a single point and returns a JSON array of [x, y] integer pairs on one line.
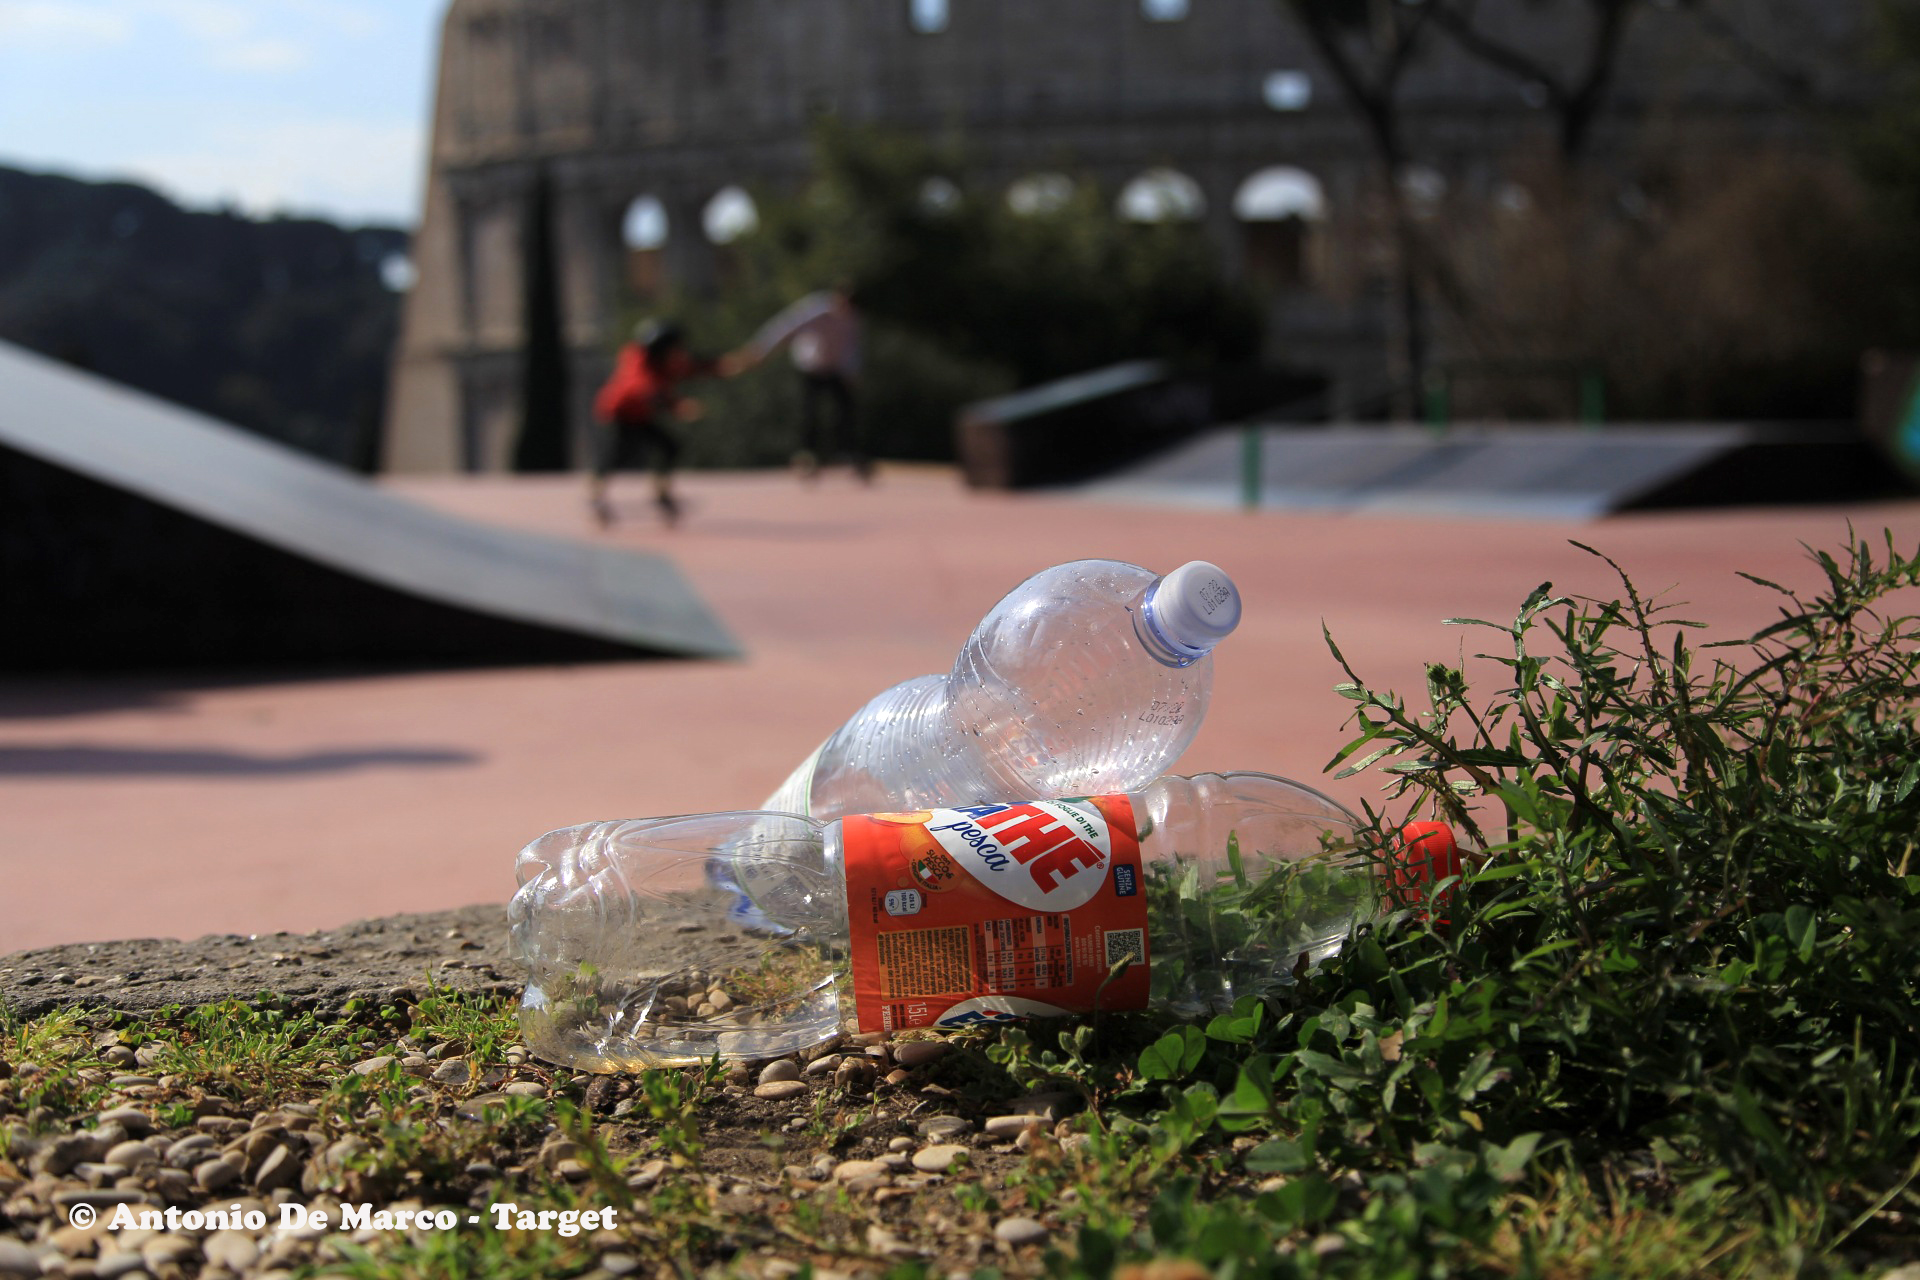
[[848, 1170], [1019, 1231], [779, 1089], [136, 1122], [234, 1250], [525, 1089], [280, 1169], [1004, 1127], [824, 1065], [168, 1250], [132, 1155], [212, 1175], [113, 1265], [916, 1053], [779, 1069], [939, 1128], [901, 1143], [370, 1066], [937, 1159], [451, 1071], [854, 1073]]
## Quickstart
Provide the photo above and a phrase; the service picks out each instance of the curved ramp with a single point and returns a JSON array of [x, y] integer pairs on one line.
[[134, 534]]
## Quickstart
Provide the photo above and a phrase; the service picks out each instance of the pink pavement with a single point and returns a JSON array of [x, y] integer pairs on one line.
[[135, 807]]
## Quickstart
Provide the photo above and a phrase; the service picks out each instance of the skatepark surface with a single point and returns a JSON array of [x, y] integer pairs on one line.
[[254, 802]]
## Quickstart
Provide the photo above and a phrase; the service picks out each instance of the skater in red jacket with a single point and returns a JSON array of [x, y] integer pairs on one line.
[[634, 407]]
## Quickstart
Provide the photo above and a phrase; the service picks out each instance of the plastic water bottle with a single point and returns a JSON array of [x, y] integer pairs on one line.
[[1089, 677], [1181, 896]]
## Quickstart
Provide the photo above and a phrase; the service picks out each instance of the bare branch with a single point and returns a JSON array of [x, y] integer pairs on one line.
[[1793, 83]]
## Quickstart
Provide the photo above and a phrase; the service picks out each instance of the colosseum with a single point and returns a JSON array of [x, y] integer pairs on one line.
[[644, 124]]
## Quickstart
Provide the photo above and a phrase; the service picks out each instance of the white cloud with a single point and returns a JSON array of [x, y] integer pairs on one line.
[[61, 23], [344, 170]]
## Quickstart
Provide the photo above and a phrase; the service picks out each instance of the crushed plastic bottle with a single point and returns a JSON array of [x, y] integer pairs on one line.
[[1089, 677], [1182, 896]]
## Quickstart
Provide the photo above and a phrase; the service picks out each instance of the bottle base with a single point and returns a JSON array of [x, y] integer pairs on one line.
[[611, 1030]]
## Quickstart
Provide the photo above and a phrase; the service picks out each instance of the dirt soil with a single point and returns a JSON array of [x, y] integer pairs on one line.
[[465, 949]]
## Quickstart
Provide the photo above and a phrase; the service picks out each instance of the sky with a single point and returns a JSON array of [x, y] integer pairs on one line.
[[316, 107]]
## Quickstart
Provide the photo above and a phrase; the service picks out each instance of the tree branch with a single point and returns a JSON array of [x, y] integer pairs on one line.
[[1792, 82]]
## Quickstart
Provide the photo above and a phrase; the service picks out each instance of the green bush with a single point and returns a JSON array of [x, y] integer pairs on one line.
[[1668, 1023]]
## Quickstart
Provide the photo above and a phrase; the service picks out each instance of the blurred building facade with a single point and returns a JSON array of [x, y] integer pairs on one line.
[[644, 122]]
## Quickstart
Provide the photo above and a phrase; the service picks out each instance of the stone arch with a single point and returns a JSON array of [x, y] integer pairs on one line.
[[644, 231], [1039, 193], [1278, 208], [928, 17], [729, 214], [940, 195], [1162, 195]]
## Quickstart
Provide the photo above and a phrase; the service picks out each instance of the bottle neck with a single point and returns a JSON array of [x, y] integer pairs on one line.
[[1154, 636]]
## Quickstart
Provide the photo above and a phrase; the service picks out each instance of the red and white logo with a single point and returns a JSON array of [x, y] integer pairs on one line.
[[1047, 855]]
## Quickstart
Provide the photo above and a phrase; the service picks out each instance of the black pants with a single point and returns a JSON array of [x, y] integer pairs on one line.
[[627, 446], [845, 435]]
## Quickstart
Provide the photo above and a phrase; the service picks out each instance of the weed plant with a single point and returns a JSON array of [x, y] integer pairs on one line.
[[1671, 1008]]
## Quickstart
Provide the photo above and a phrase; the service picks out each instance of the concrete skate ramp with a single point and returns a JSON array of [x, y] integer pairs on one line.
[[1545, 472], [138, 535]]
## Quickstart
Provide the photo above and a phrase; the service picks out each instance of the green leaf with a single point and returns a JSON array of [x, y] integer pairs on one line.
[[1277, 1155], [1509, 1162], [1801, 930], [1302, 1202], [1908, 779], [1252, 1098], [1173, 1055]]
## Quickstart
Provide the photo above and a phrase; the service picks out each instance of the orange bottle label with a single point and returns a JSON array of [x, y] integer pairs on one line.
[[993, 912]]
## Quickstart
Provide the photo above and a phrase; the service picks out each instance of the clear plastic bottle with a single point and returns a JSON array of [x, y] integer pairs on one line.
[[637, 958], [1089, 677]]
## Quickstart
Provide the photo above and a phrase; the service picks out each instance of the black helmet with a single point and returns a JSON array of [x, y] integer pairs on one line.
[[657, 337]]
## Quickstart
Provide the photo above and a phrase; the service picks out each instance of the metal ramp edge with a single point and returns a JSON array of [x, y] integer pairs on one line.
[[268, 493], [1496, 472]]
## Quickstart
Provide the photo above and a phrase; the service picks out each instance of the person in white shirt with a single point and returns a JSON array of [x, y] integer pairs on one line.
[[822, 334]]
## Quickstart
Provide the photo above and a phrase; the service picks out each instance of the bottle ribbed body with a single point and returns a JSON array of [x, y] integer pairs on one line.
[[1061, 690], [638, 954]]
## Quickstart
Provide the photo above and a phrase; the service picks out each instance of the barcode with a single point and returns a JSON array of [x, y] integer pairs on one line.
[[1122, 943]]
